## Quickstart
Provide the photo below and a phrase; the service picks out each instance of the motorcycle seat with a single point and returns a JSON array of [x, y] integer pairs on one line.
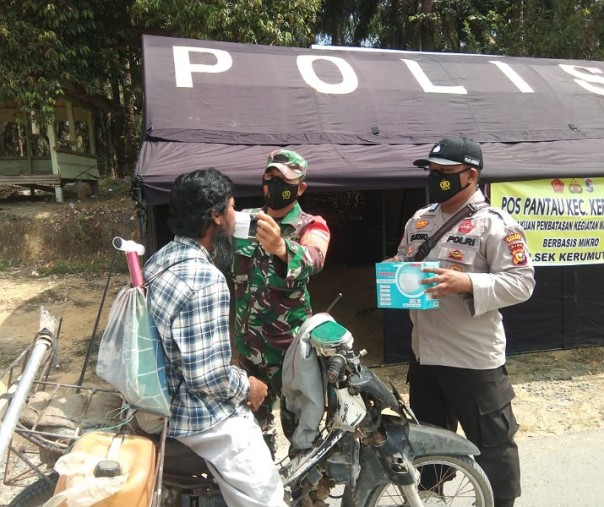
[[180, 460]]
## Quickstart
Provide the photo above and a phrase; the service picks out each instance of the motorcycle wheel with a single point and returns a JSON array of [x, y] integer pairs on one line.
[[460, 482], [37, 493]]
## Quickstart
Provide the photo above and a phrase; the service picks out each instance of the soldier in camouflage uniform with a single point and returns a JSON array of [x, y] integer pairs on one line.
[[271, 271]]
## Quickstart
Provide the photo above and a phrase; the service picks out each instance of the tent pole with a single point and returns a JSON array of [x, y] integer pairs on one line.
[[383, 203]]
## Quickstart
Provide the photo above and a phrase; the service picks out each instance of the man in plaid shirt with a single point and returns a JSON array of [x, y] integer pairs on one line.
[[188, 298]]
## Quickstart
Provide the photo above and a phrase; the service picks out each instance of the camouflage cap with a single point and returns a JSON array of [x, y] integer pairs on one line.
[[291, 164]]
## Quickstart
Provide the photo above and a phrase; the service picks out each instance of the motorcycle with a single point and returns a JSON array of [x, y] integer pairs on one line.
[[369, 450]]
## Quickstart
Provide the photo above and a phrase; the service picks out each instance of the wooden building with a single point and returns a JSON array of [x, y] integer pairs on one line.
[[52, 155]]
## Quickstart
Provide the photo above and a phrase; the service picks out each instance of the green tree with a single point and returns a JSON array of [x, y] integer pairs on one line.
[[347, 22], [435, 25], [553, 29], [68, 49], [91, 51], [271, 22]]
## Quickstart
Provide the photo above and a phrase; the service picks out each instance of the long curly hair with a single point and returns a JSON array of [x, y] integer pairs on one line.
[[194, 196]]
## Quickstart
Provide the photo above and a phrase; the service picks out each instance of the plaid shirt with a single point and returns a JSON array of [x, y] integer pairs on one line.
[[189, 303]]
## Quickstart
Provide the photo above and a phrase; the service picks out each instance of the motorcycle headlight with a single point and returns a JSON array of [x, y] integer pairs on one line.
[[329, 337]]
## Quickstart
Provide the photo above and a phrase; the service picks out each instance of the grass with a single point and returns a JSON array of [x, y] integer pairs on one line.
[[70, 237], [9, 263], [556, 364], [98, 265], [89, 265]]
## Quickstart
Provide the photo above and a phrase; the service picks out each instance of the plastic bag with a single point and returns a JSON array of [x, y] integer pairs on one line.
[[82, 487], [131, 356]]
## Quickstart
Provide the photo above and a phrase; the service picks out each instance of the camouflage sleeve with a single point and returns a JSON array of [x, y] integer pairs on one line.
[[307, 256]]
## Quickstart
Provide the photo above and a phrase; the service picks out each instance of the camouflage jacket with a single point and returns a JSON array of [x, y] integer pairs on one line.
[[271, 297]]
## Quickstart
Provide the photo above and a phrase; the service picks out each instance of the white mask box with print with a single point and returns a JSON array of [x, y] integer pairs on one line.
[[399, 285]]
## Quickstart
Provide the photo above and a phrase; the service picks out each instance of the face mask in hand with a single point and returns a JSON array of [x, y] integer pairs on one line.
[[441, 186], [278, 194]]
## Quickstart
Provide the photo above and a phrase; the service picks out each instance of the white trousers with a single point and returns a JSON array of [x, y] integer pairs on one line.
[[240, 461]]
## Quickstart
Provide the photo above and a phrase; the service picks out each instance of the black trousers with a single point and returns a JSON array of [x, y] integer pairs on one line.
[[480, 400]]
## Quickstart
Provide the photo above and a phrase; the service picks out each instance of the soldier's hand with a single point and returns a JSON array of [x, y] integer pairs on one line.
[[268, 234], [258, 392], [448, 281]]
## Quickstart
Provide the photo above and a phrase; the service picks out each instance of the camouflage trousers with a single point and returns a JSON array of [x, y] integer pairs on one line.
[[271, 375]]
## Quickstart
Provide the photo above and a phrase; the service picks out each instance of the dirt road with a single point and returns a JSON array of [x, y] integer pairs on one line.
[[558, 392]]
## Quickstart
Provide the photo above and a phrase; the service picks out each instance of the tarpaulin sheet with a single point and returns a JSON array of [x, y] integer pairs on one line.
[[360, 117]]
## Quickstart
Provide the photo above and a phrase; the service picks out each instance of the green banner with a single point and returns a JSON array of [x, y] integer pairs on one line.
[[563, 218]]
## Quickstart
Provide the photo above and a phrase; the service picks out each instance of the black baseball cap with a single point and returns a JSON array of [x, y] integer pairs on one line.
[[453, 151]]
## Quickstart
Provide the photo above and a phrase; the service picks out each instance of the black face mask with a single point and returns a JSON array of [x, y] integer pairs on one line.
[[278, 194], [441, 186]]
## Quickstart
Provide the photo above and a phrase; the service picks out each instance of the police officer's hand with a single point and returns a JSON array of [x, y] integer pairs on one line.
[[396, 258], [258, 391], [448, 281], [268, 234]]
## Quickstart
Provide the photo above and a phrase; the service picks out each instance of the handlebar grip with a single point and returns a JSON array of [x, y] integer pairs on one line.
[[334, 368], [126, 245]]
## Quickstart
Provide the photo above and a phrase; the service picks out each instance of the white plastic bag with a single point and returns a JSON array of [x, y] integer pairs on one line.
[[131, 357], [82, 487]]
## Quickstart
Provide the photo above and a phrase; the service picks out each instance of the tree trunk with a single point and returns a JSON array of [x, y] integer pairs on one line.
[[131, 136], [117, 134], [427, 32]]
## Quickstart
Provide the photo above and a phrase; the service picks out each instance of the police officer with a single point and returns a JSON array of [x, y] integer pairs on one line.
[[271, 272], [457, 370]]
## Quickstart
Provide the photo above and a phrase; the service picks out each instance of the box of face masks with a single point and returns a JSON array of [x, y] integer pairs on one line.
[[398, 285]]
